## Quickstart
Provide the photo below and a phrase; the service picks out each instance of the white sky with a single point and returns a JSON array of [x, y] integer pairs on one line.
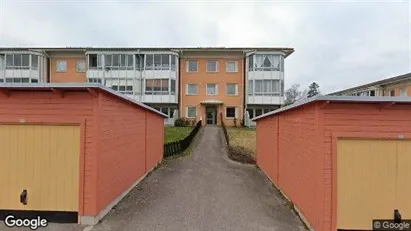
[[338, 44]]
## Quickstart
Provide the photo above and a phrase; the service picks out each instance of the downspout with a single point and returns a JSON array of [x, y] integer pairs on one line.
[[244, 69], [141, 77], [180, 84], [48, 75]]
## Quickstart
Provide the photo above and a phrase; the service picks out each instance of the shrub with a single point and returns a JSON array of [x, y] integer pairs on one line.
[[180, 122]]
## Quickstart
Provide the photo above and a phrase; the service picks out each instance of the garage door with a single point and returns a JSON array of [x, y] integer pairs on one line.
[[372, 176], [39, 167]]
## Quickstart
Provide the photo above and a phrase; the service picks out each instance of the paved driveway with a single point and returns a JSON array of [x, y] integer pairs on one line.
[[204, 191]]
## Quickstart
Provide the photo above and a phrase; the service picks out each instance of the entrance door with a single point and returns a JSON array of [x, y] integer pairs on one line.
[[211, 115]]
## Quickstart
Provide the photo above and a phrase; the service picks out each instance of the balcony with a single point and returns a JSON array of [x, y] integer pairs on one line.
[[23, 67]]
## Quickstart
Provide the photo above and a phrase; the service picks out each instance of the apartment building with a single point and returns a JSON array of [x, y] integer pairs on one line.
[[394, 86], [197, 83]]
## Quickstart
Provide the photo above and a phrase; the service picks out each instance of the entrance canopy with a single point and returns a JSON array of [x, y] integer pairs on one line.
[[212, 102]]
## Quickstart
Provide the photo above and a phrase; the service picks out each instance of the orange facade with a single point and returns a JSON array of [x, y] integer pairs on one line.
[[398, 89], [219, 91], [119, 142], [297, 150], [74, 71]]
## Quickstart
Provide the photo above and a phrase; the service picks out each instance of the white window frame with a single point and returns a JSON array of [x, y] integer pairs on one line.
[[403, 92], [77, 65], [235, 91], [187, 109], [235, 112], [235, 69], [216, 88], [187, 88], [58, 64], [188, 65], [216, 66]]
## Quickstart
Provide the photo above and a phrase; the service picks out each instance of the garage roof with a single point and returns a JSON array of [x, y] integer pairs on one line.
[[73, 87], [344, 99]]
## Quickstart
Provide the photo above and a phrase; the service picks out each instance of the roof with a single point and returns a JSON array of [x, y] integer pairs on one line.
[[286, 50], [343, 99], [74, 86], [376, 83]]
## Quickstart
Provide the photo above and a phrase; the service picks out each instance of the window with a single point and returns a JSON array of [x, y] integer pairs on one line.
[[164, 110], [191, 112], [139, 62], [81, 65], [212, 89], [258, 112], [158, 62], [173, 86], [34, 80], [61, 66], [1, 80], [250, 87], [17, 80], [192, 66], [192, 89], [212, 66], [372, 93], [118, 62], [9, 61], [17, 61], [95, 61], [250, 113], [250, 62], [392, 93], [231, 66], [35, 62], [264, 87], [230, 112], [2, 58], [231, 89], [94, 80], [165, 62], [403, 92], [157, 87], [173, 62], [149, 62], [267, 62]]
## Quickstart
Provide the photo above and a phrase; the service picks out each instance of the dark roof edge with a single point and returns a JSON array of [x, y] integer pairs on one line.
[[376, 83], [77, 86], [360, 99]]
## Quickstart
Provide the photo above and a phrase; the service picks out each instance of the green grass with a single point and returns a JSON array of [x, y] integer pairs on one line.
[[176, 133], [243, 137]]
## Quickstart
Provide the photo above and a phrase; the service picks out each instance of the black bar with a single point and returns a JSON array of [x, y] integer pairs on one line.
[[50, 216]]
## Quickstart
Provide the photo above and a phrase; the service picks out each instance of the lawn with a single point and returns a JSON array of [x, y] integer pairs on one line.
[[243, 137], [176, 133]]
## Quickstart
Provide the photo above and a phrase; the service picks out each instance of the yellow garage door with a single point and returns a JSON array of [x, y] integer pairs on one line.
[[39, 167], [404, 179], [366, 182]]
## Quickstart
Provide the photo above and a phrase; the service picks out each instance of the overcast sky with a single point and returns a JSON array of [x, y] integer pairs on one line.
[[337, 44]]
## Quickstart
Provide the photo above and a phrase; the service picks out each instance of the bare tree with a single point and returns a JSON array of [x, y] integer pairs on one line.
[[294, 94]]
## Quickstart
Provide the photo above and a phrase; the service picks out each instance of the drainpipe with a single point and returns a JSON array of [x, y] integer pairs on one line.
[[180, 84]]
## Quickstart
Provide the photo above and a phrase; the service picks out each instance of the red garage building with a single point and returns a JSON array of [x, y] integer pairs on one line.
[[342, 161], [73, 151]]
